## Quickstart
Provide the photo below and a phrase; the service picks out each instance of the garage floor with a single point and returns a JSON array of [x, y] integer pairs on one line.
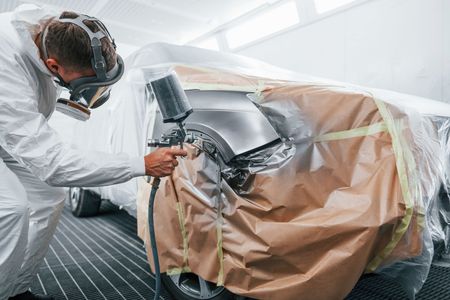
[[96, 258], [102, 258]]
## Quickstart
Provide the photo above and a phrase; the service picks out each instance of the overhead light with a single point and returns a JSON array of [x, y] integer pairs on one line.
[[323, 6], [270, 21]]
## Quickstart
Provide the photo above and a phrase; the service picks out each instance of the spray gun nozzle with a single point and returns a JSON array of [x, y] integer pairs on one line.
[[176, 137]]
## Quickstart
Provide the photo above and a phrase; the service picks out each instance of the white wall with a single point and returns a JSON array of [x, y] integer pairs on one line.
[[400, 45]]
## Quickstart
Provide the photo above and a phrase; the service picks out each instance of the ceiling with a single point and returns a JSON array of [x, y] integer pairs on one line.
[[138, 22]]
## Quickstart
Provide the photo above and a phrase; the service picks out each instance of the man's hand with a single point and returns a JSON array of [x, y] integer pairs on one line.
[[162, 161]]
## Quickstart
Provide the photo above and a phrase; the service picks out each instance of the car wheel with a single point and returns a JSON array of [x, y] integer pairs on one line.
[[188, 286], [84, 203]]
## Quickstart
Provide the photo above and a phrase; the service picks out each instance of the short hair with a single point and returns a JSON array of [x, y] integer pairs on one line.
[[71, 45]]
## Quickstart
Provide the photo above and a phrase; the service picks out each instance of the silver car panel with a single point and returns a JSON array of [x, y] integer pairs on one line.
[[230, 119]]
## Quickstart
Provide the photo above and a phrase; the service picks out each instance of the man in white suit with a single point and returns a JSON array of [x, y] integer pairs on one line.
[[37, 47]]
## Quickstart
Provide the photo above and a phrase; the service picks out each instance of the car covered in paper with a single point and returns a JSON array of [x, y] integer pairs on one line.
[[295, 186]]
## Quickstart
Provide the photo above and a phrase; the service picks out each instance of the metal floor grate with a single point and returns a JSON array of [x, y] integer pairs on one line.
[[102, 258], [96, 258]]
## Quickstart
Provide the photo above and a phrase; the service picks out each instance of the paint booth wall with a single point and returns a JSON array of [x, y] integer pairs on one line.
[[400, 45]]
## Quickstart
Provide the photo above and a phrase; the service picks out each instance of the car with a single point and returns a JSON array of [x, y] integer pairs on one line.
[[294, 183]]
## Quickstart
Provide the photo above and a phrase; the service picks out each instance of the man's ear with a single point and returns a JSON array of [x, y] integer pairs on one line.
[[52, 65]]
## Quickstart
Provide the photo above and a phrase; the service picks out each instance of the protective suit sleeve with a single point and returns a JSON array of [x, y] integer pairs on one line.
[[26, 135]]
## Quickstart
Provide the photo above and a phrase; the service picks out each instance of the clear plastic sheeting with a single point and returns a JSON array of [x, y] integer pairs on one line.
[[353, 186], [440, 209]]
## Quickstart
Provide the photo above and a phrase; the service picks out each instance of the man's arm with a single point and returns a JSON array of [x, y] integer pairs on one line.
[[27, 137]]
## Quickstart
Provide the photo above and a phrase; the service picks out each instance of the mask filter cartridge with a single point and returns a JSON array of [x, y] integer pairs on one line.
[[73, 109]]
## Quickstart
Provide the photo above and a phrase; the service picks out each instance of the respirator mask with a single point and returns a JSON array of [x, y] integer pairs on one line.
[[89, 92]]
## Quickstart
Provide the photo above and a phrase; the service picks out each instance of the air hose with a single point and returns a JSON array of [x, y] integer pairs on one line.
[[151, 228]]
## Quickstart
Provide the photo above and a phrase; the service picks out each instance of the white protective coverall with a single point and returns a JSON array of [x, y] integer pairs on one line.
[[34, 162]]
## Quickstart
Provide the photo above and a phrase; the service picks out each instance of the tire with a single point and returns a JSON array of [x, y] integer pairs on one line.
[[188, 286], [83, 203]]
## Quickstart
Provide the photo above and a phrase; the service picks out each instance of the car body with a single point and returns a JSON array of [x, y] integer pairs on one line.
[[273, 135]]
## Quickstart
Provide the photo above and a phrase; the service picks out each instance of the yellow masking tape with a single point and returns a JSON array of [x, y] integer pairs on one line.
[[177, 271], [257, 88], [180, 213], [356, 132], [219, 246], [198, 68], [414, 180], [395, 133], [219, 87], [415, 184], [174, 66], [260, 88]]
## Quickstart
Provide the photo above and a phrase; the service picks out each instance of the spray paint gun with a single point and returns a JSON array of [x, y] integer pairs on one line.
[[175, 108]]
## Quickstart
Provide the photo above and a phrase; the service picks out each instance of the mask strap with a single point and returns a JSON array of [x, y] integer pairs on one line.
[[61, 82], [43, 46], [99, 64]]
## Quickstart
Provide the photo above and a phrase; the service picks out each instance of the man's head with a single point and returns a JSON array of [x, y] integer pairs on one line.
[[81, 53], [69, 48]]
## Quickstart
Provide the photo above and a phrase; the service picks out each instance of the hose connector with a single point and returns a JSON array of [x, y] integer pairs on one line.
[[156, 182]]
